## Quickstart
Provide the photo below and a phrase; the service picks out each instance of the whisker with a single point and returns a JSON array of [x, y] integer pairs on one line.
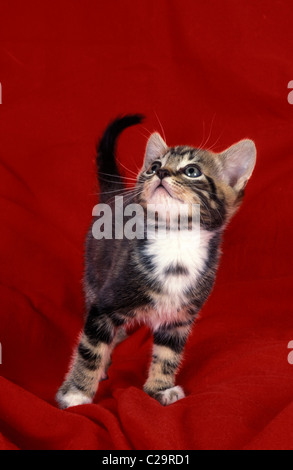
[[203, 136], [119, 183], [128, 196], [160, 124], [118, 176], [127, 169], [215, 143], [146, 136], [204, 144], [121, 190]]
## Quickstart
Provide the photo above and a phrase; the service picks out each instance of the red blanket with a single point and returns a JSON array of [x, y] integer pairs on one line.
[[210, 73]]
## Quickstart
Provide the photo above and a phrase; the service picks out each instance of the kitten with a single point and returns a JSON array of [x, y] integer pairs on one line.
[[161, 282]]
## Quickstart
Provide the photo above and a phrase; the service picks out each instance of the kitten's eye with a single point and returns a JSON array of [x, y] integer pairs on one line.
[[192, 171], [154, 168]]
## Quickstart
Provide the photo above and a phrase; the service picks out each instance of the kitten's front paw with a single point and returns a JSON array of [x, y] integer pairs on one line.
[[66, 398], [170, 395]]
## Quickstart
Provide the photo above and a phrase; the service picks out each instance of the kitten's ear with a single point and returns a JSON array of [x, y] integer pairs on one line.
[[238, 163], [156, 148]]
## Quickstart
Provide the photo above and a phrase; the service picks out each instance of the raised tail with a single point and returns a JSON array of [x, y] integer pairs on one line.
[[109, 178]]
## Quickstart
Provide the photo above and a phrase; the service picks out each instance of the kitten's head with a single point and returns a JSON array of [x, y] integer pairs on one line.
[[186, 175]]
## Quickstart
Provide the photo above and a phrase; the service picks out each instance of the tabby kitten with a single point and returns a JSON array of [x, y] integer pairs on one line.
[[160, 282]]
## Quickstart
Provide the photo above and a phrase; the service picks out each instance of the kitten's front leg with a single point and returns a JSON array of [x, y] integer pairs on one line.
[[89, 362], [169, 342]]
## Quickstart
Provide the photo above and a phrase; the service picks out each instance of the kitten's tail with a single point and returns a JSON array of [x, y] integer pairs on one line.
[[109, 178]]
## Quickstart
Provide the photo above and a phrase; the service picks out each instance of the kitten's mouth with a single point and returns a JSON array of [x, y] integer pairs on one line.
[[162, 193], [163, 189]]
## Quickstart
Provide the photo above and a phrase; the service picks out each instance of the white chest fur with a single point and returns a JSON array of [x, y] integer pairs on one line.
[[178, 264]]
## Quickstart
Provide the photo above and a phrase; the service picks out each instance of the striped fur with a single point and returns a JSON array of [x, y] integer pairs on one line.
[[161, 283]]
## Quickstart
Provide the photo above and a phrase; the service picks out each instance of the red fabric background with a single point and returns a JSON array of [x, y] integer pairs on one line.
[[212, 73]]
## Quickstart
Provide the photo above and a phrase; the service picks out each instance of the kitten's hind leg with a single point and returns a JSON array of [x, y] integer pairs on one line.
[[120, 336], [89, 361], [167, 353]]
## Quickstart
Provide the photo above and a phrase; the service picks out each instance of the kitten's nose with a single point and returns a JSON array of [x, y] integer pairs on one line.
[[162, 173]]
